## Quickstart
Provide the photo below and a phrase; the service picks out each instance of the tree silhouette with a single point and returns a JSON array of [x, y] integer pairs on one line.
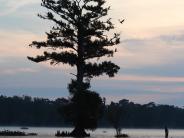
[[80, 34], [114, 116]]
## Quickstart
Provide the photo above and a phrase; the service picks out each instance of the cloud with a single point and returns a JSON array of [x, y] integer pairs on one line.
[[141, 85], [169, 89], [10, 6], [154, 52], [144, 78], [17, 71], [16, 44], [158, 98], [145, 17]]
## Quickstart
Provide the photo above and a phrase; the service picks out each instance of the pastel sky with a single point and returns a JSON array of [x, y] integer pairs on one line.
[[151, 53]]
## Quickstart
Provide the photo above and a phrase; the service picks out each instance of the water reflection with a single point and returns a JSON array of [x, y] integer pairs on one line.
[[49, 132]]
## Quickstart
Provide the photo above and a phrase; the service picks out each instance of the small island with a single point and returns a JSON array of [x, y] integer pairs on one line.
[[68, 134], [16, 133]]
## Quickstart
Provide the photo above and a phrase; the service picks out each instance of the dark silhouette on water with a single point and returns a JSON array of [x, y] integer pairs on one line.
[[68, 134], [79, 35], [12, 133], [87, 106], [166, 132], [114, 116], [16, 133]]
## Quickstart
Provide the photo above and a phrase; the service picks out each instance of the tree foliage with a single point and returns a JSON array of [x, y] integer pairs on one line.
[[90, 105], [78, 35]]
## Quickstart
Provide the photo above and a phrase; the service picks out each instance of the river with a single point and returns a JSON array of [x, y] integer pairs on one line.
[[49, 132]]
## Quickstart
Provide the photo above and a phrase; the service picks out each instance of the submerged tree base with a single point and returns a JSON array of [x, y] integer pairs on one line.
[[74, 133], [77, 132], [121, 136]]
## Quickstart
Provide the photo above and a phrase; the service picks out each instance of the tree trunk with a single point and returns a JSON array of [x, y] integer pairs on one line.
[[80, 73], [80, 52], [79, 131]]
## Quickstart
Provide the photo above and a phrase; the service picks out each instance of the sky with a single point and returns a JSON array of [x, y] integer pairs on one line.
[[151, 53]]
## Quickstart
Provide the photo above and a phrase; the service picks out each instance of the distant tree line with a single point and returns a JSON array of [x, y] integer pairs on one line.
[[27, 111], [149, 115]]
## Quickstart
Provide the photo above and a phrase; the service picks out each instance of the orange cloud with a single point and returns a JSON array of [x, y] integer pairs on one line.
[[15, 44]]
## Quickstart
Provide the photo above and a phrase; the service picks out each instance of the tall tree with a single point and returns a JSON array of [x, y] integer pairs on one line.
[[114, 116], [80, 33]]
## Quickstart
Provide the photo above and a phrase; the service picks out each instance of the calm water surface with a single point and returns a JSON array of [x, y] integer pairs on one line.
[[48, 132]]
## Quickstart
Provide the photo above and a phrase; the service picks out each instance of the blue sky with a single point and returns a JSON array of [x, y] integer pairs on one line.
[[150, 54]]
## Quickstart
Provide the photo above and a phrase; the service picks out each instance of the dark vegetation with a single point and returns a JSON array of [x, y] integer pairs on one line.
[[12, 133], [66, 134], [79, 38], [16, 133], [115, 114], [27, 111]]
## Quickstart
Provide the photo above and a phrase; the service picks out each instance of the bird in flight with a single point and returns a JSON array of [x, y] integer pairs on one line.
[[121, 21]]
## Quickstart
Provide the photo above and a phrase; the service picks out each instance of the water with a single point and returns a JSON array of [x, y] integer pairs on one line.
[[49, 132]]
